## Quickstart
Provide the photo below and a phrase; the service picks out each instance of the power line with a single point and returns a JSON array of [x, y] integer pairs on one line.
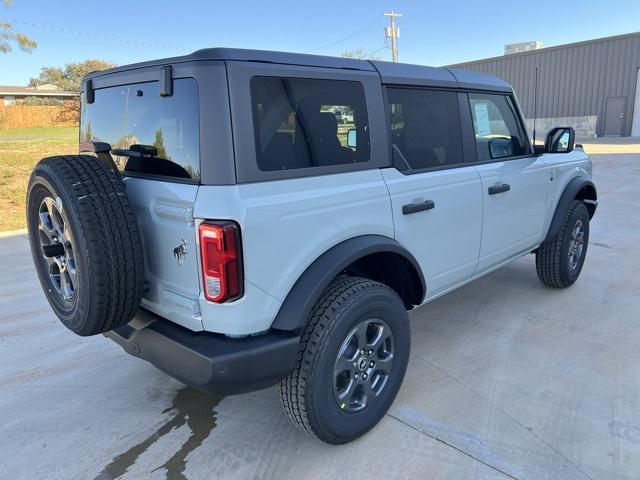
[[95, 35], [354, 34], [432, 57], [373, 52]]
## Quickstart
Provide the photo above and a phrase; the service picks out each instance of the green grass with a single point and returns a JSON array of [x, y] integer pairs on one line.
[[20, 150]]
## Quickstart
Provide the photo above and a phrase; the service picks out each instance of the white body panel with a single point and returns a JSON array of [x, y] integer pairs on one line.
[[286, 225], [512, 221], [446, 239], [165, 213], [564, 168]]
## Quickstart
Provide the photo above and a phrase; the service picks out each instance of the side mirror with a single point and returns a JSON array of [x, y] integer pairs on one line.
[[500, 147], [351, 138], [560, 140]]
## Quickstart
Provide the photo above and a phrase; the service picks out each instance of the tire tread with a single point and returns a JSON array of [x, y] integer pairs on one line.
[[110, 232], [549, 256], [293, 388]]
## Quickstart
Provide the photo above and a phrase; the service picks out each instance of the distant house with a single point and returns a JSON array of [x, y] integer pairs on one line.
[[12, 95]]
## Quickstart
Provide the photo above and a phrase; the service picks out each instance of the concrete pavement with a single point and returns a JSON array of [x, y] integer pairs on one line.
[[507, 379]]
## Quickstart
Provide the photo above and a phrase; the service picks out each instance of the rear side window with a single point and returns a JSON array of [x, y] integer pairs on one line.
[[304, 123], [497, 129], [425, 128], [136, 118]]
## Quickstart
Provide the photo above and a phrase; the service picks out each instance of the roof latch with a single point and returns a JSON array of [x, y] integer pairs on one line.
[[166, 81], [89, 92]]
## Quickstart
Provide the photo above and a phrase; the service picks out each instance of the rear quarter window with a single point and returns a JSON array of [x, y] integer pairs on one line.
[[136, 117], [304, 123]]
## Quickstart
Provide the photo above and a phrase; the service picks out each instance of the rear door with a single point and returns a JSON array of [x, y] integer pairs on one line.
[[436, 197], [514, 181], [161, 183]]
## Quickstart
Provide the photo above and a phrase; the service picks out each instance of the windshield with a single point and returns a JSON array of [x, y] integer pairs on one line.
[[134, 118]]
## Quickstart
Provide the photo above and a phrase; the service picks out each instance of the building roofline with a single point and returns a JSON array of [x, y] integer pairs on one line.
[[547, 49]]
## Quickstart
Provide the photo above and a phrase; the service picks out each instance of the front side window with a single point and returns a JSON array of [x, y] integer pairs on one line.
[[497, 129], [304, 123], [135, 118], [425, 127]]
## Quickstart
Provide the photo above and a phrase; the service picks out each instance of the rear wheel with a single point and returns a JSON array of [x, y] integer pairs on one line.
[[85, 243], [351, 361], [559, 261]]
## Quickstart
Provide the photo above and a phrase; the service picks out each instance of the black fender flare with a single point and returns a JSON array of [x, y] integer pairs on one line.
[[570, 192], [296, 308]]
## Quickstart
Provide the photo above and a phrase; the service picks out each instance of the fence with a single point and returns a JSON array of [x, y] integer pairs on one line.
[[13, 116]]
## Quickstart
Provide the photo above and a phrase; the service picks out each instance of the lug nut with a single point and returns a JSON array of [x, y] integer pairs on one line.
[[364, 376], [370, 352], [371, 364], [356, 376]]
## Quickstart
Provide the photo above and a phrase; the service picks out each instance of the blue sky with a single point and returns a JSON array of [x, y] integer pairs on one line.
[[431, 33]]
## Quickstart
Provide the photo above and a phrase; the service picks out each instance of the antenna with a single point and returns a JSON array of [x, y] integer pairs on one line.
[[535, 107]]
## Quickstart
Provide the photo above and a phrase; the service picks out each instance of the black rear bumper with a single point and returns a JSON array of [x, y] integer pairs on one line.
[[209, 361]]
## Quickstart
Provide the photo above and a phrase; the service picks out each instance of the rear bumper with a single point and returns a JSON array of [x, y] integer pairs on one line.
[[208, 361]]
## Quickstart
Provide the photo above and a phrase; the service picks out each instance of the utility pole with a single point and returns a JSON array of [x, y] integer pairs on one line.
[[392, 32]]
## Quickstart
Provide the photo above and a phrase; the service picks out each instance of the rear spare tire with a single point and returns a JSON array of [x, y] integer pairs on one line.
[[85, 243]]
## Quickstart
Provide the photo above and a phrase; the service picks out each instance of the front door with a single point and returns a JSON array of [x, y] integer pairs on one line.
[[514, 182], [614, 116], [513, 217], [436, 198]]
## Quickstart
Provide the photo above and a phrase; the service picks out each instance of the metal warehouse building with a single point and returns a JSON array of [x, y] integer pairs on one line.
[[593, 86]]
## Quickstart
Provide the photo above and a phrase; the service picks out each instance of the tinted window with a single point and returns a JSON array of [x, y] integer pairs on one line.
[[136, 117], [302, 123], [425, 127], [496, 125]]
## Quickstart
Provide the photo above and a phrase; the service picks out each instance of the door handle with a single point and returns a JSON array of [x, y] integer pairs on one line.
[[505, 187], [417, 207]]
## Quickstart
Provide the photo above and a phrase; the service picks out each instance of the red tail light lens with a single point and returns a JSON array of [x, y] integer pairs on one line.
[[220, 252]]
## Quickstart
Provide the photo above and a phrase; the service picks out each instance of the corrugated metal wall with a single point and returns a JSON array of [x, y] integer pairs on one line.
[[573, 80]]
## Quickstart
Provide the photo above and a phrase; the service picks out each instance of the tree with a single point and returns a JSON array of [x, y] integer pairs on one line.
[[159, 144], [70, 76], [360, 54], [9, 36]]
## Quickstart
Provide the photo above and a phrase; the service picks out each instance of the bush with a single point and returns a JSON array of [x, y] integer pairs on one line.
[[42, 102], [69, 112]]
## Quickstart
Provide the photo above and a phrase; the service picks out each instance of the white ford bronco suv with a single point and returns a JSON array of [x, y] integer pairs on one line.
[[246, 218]]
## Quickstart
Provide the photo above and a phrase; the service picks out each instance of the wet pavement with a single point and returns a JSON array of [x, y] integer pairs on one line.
[[507, 379]]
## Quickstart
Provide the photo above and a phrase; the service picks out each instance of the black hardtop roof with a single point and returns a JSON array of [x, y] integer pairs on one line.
[[390, 73]]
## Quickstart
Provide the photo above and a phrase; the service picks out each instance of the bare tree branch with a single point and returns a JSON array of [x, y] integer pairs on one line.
[[9, 36]]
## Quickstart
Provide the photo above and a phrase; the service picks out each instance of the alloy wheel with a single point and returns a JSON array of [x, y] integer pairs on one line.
[[576, 245], [363, 365], [57, 247]]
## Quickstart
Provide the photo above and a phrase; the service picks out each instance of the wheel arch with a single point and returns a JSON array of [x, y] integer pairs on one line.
[[579, 188], [371, 256]]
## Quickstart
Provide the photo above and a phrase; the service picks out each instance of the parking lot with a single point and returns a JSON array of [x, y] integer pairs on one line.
[[507, 379]]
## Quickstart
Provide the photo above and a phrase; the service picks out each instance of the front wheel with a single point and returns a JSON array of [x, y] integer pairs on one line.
[[559, 261], [351, 361]]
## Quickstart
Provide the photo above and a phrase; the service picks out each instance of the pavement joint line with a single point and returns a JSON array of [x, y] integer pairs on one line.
[[458, 449], [511, 417]]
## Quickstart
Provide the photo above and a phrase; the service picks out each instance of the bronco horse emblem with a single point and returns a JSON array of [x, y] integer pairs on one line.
[[180, 251]]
